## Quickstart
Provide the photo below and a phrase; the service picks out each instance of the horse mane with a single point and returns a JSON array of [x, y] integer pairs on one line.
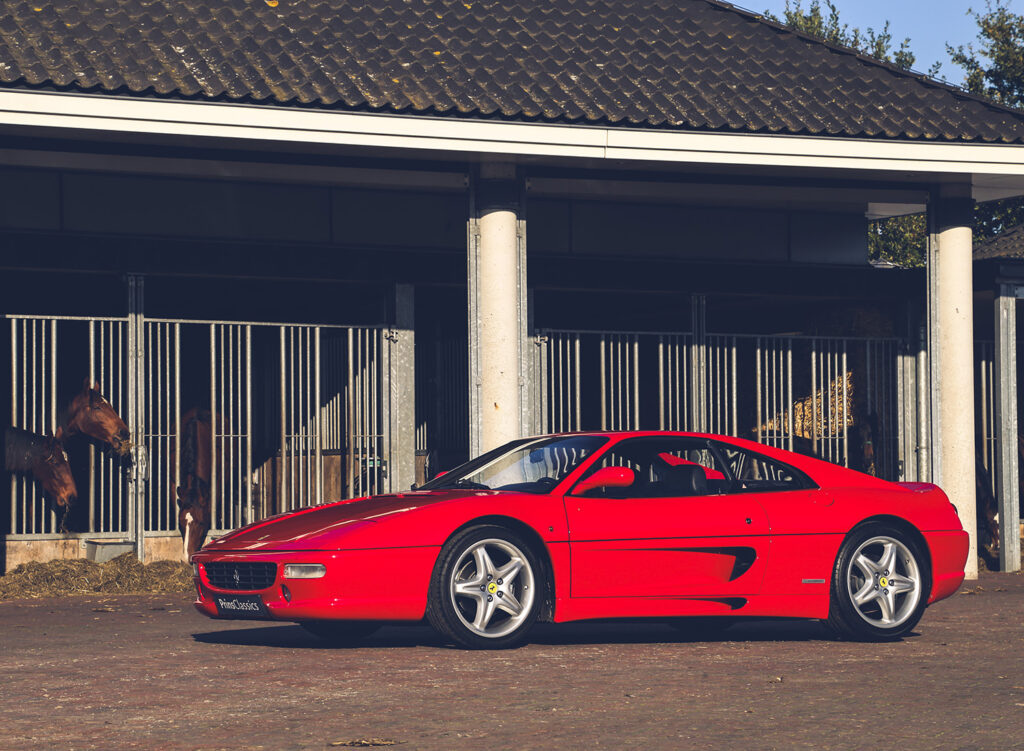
[[22, 448]]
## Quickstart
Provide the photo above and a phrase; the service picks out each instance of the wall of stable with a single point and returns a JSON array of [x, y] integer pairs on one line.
[[158, 547], [72, 202]]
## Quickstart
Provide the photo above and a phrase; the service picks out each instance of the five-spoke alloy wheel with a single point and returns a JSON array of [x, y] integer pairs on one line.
[[880, 584], [486, 589]]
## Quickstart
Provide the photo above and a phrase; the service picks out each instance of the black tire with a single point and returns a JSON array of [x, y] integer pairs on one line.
[[510, 608], [340, 632], [880, 584], [702, 627]]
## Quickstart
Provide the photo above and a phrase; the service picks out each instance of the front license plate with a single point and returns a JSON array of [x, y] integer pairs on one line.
[[241, 606]]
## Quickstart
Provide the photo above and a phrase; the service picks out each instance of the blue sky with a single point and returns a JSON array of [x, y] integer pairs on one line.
[[930, 24]]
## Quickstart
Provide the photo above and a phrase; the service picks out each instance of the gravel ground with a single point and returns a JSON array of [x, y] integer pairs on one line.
[[148, 672]]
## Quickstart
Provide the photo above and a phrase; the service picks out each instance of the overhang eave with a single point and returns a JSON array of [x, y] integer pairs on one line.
[[995, 170]]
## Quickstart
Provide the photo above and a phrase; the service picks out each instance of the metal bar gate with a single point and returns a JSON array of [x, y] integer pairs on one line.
[[296, 415], [842, 399]]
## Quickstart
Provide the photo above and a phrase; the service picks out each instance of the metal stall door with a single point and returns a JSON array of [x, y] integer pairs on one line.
[[837, 398], [442, 404], [195, 406], [884, 367], [825, 396], [717, 372], [773, 387], [986, 431], [161, 410], [289, 415], [607, 380], [559, 388], [677, 369], [367, 462], [231, 492], [301, 476], [51, 357], [331, 417]]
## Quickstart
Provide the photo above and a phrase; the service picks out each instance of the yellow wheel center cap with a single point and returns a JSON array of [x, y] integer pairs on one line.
[[883, 582], [492, 588]]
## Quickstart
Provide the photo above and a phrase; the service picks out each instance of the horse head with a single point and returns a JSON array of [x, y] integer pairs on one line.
[[193, 513], [52, 470], [91, 414]]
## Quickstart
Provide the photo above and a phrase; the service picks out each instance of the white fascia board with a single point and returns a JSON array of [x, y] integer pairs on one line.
[[481, 137], [293, 125], [818, 152]]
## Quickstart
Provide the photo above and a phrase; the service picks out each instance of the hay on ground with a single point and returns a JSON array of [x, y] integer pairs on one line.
[[122, 575]]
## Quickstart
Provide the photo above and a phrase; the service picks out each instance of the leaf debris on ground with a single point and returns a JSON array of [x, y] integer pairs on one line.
[[366, 742]]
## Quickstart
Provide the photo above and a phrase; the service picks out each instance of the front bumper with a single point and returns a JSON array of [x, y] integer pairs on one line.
[[381, 584]]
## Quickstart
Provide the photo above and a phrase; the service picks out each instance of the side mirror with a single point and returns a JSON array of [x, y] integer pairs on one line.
[[606, 477]]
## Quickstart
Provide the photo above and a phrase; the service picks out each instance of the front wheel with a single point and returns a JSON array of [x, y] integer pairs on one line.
[[880, 585], [486, 589]]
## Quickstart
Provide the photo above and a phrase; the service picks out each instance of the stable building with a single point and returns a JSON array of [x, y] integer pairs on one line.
[[369, 241]]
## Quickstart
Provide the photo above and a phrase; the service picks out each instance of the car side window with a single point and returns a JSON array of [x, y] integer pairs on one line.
[[755, 473], [668, 467]]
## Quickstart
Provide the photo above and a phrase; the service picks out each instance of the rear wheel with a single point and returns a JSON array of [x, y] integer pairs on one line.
[[340, 632], [880, 585], [485, 592]]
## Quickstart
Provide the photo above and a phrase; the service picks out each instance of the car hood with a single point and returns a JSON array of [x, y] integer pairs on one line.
[[331, 526]]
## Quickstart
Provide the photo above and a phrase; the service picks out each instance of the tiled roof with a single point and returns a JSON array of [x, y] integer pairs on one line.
[[1009, 244], [680, 64]]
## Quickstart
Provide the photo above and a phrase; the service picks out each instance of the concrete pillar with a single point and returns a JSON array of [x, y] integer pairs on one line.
[[138, 475], [497, 310], [952, 372], [400, 402], [1007, 488]]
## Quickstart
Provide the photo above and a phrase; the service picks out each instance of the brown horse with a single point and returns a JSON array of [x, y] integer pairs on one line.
[[43, 457], [91, 415], [193, 492]]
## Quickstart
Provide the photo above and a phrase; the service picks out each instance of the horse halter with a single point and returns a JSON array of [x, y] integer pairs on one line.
[[54, 445]]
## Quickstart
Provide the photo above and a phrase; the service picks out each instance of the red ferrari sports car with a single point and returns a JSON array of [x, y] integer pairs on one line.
[[698, 530]]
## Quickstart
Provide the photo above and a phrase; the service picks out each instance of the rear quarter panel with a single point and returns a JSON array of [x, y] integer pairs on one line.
[[808, 528]]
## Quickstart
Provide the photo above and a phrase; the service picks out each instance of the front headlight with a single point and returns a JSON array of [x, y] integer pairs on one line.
[[304, 570], [195, 569]]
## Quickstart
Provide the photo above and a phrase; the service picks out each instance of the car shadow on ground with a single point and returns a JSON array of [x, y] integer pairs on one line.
[[291, 636]]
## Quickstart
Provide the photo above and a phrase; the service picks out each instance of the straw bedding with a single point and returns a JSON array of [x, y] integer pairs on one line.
[[122, 575]]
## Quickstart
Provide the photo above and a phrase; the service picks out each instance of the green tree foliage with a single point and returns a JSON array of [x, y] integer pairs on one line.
[[827, 27], [995, 70], [901, 240]]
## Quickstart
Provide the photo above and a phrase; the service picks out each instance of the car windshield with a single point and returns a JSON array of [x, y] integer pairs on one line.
[[534, 465]]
